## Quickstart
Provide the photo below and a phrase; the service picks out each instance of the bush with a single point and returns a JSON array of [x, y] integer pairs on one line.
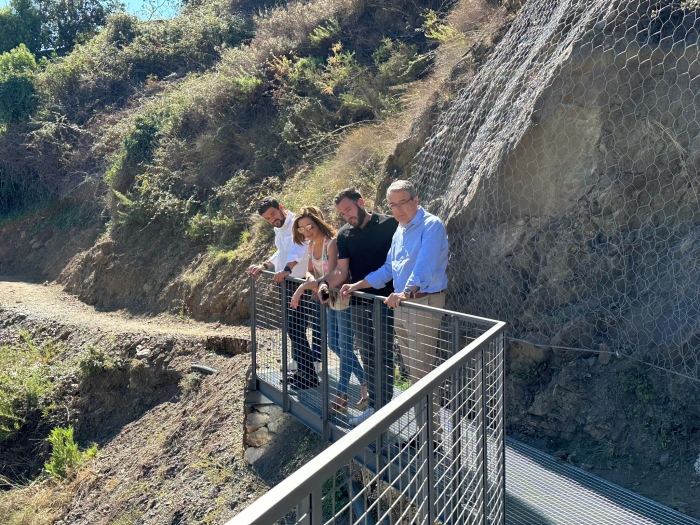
[[24, 379], [17, 94], [94, 360], [119, 61], [65, 455]]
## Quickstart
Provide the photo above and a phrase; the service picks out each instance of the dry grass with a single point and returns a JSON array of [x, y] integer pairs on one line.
[[42, 502], [356, 162]]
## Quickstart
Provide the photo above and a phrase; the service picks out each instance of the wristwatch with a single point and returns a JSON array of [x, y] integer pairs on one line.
[[287, 269], [409, 291]]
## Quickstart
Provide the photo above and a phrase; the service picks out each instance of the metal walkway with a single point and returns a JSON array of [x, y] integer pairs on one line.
[[543, 491], [539, 489]]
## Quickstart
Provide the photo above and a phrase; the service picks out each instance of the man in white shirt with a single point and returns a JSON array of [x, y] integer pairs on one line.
[[289, 259]]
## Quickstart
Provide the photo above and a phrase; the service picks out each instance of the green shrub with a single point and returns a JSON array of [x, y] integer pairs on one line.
[[325, 34], [116, 64], [17, 94], [65, 455], [94, 360], [25, 378]]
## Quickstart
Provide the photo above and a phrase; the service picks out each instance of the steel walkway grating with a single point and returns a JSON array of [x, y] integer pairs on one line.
[[542, 491]]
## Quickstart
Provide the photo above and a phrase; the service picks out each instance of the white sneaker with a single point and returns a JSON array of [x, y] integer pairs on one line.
[[354, 421]]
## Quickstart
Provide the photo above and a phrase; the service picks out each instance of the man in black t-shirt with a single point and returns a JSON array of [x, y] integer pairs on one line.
[[363, 244]]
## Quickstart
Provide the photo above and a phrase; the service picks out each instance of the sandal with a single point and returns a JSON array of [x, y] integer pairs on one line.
[[339, 403], [364, 400]]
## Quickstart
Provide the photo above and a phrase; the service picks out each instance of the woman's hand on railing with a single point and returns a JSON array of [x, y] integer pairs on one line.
[[294, 301], [323, 292]]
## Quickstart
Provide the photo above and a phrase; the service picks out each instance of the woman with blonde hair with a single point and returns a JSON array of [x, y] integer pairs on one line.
[[310, 227]]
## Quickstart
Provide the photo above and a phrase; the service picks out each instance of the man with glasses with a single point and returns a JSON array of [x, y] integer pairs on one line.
[[362, 247], [289, 259], [417, 264]]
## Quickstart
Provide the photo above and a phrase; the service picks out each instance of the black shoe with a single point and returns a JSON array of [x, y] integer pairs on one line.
[[303, 381]]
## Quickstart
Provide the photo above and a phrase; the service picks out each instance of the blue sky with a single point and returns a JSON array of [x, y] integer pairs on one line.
[[135, 7]]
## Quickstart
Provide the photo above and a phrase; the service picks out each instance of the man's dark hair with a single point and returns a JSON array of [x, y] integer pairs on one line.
[[267, 203], [347, 193]]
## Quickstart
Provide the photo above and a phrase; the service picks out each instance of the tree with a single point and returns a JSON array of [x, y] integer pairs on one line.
[[20, 23], [17, 94], [45, 26], [69, 22]]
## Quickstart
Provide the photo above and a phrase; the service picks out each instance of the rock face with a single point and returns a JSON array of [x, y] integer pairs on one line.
[[567, 176]]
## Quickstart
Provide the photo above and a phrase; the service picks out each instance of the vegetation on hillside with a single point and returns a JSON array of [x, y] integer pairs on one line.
[[186, 120]]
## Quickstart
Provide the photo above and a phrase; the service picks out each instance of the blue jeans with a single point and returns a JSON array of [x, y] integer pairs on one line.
[[340, 341], [377, 356]]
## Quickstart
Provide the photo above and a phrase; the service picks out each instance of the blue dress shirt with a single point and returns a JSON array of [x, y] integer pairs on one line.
[[418, 256]]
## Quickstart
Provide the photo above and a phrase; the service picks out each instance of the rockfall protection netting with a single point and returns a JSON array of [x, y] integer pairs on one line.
[[567, 174]]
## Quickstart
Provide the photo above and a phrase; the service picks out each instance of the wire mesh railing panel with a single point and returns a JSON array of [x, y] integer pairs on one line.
[[428, 445], [566, 173], [268, 334]]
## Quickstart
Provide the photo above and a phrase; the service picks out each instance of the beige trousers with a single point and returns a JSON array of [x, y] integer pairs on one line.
[[417, 333]]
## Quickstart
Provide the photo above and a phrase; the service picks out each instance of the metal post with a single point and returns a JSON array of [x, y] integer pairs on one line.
[[378, 355], [484, 466], [253, 382], [326, 431], [285, 321], [304, 511], [457, 410], [500, 341], [430, 478], [316, 507], [422, 438]]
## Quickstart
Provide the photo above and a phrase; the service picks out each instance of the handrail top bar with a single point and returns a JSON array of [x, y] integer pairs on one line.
[[424, 307], [293, 488]]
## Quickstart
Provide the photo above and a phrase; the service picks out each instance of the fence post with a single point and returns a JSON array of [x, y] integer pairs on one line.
[[303, 516], [457, 410], [285, 321], [379, 361], [324, 373], [430, 479], [317, 507], [253, 382], [500, 341], [483, 436]]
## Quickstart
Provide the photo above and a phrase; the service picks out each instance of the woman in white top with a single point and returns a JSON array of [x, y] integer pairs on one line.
[[311, 228]]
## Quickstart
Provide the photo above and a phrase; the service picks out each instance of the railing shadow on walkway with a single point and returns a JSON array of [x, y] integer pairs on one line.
[[543, 491], [434, 450]]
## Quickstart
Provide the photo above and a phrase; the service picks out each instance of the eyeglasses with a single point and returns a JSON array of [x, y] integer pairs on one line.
[[393, 206], [305, 229]]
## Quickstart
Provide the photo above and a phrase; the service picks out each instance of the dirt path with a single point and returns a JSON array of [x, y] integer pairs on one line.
[[50, 302]]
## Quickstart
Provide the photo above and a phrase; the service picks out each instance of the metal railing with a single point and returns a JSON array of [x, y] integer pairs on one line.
[[434, 453]]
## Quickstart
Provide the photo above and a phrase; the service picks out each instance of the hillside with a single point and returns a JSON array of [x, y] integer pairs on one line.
[[147, 180], [558, 140], [170, 440]]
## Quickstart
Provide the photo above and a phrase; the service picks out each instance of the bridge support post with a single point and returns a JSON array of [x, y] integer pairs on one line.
[[285, 356], [253, 382]]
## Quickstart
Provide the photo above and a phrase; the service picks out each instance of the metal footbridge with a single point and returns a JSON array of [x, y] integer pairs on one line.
[[436, 453]]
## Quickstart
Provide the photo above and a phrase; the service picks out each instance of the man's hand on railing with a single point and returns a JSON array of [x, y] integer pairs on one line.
[[255, 270], [394, 299], [347, 290], [279, 276]]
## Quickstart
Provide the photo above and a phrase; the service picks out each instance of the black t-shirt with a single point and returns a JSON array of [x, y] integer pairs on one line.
[[367, 248]]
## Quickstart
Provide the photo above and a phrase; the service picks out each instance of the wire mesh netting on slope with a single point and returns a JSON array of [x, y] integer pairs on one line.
[[567, 174]]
